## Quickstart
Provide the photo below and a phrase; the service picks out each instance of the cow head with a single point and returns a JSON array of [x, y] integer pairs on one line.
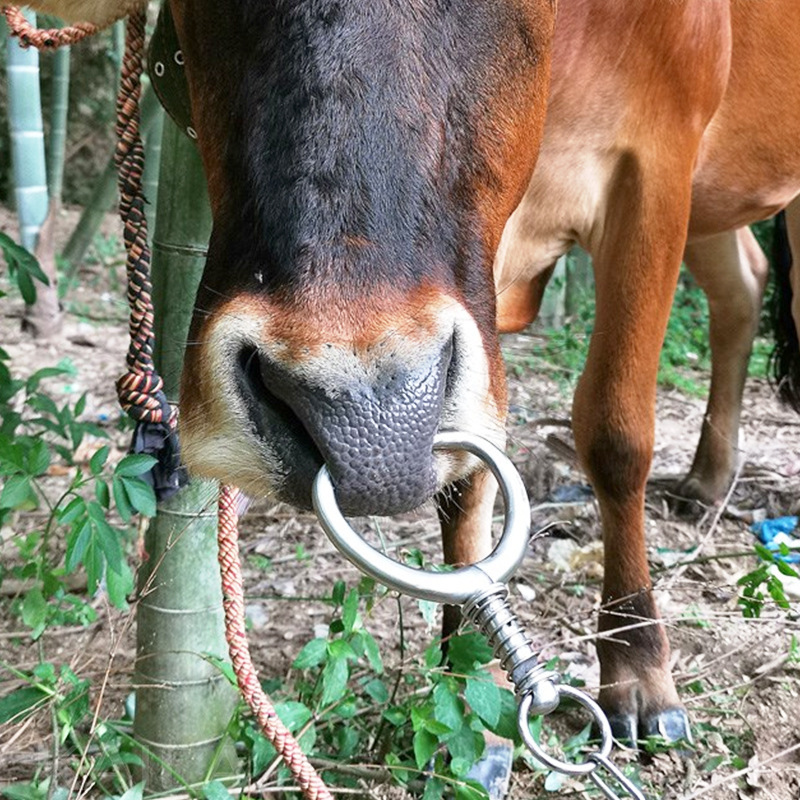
[[362, 159]]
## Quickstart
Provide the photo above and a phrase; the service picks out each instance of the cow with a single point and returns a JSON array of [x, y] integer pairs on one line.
[[380, 216]]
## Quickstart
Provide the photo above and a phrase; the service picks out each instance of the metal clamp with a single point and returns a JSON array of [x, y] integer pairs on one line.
[[480, 589]]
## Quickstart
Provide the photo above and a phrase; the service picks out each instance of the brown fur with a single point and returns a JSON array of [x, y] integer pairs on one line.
[[657, 110]]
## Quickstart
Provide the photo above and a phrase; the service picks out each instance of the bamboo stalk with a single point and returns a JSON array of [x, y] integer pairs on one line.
[[36, 218], [183, 704], [58, 125], [104, 195], [27, 138]]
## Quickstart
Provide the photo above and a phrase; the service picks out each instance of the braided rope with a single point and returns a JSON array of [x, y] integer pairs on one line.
[[233, 601], [140, 389], [45, 38]]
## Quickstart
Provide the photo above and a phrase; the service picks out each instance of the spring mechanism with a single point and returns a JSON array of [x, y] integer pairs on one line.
[[491, 614]]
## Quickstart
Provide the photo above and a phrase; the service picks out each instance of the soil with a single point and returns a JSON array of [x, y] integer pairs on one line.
[[738, 677]]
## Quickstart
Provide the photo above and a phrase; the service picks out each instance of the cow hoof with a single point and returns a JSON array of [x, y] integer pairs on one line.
[[624, 728], [493, 770], [692, 498], [671, 725]]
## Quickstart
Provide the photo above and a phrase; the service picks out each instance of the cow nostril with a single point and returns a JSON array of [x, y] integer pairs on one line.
[[452, 365], [266, 408]]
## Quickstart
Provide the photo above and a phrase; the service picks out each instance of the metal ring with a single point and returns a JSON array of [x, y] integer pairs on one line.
[[453, 587], [567, 767]]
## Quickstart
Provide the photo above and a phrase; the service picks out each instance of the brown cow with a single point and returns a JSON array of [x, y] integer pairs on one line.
[[656, 108], [363, 159]]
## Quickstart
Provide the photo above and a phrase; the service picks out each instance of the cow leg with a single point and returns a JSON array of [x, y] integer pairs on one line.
[[465, 513], [732, 270], [637, 257]]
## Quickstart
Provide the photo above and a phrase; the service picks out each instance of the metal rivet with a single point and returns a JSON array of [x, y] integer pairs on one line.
[[178, 57], [159, 68], [191, 132]]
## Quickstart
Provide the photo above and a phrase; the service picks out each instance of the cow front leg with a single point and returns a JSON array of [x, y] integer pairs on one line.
[[465, 514], [732, 270], [636, 266]]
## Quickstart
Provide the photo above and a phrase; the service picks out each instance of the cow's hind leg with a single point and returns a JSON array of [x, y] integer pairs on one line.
[[465, 513], [636, 259], [732, 270]]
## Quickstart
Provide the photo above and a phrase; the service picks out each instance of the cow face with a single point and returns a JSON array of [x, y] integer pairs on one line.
[[362, 159]]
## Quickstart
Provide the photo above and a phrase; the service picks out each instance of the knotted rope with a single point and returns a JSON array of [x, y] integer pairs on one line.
[[140, 390], [233, 601]]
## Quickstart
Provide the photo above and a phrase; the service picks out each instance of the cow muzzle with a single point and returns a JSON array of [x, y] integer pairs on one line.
[[370, 417]]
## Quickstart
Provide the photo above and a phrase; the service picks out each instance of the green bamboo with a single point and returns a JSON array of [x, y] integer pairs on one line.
[[34, 212], [104, 195], [58, 125], [152, 162], [183, 704], [27, 138]]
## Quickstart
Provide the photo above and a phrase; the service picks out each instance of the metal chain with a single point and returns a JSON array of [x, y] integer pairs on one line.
[[485, 604]]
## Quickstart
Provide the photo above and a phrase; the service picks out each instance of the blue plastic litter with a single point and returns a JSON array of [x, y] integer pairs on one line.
[[775, 532]]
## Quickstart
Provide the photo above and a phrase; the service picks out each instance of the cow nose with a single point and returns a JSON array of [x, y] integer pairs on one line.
[[371, 418]]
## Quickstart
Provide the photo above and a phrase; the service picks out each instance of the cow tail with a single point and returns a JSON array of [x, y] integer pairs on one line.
[[785, 357]]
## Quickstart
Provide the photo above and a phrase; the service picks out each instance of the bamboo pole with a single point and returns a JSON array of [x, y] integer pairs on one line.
[[183, 703], [152, 162], [36, 218], [104, 195], [58, 125], [27, 138]]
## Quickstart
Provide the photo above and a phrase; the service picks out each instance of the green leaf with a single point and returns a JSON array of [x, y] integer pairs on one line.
[[293, 714], [470, 790], [135, 464], [334, 681], [102, 494], [373, 653], [65, 367], [74, 509], [396, 715], [80, 406], [377, 690], [21, 702], [483, 696], [467, 650], [34, 611], [136, 792], [425, 745], [506, 727], [38, 458], [466, 745], [428, 610], [434, 789], [312, 654], [123, 505], [98, 460], [350, 610], [339, 648], [448, 708], [17, 492], [77, 541], [119, 585], [216, 791], [337, 595], [141, 495]]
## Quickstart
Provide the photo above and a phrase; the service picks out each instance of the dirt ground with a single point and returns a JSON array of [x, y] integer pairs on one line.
[[738, 677]]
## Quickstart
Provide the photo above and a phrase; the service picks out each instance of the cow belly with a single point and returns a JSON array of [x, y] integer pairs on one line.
[[749, 161]]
